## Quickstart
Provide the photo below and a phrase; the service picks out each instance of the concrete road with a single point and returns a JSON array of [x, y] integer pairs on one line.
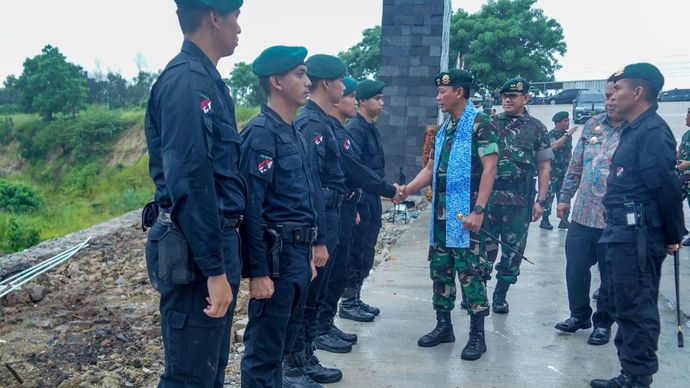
[[524, 350]]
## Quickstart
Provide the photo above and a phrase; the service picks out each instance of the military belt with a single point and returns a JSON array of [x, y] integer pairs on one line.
[[293, 233], [332, 198], [520, 186], [226, 222]]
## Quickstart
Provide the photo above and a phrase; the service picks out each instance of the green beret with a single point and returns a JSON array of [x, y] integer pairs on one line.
[[517, 84], [645, 71], [324, 66], [350, 85], [454, 77], [219, 5], [560, 116], [368, 89], [277, 60]]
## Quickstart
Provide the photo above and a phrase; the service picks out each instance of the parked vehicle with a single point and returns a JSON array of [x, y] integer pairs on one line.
[[587, 104], [566, 96], [675, 95]]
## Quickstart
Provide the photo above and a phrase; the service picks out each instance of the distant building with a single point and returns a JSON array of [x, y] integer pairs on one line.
[[552, 87]]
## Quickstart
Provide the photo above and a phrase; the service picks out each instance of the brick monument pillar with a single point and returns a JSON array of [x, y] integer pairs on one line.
[[414, 48]]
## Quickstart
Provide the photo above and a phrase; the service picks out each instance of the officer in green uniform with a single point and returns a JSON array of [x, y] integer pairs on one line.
[[684, 164], [524, 153], [467, 139], [562, 145]]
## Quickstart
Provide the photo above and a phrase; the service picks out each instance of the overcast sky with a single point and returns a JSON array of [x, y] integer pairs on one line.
[[602, 35]]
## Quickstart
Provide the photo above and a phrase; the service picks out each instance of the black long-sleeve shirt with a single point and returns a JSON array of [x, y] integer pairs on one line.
[[194, 151], [367, 136], [643, 171], [280, 181]]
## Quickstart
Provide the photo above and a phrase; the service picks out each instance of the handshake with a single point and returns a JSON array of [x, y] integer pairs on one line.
[[400, 193]]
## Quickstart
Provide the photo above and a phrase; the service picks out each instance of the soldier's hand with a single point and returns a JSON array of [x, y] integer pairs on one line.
[[261, 288], [672, 248], [473, 222], [314, 274], [219, 296], [563, 211], [537, 211], [683, 164], [572, 130], [320, 255], [400, 193]]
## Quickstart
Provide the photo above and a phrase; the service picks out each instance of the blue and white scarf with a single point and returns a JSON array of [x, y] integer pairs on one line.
[[457, 178]]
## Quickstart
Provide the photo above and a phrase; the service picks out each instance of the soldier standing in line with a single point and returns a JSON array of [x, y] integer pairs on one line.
[[281, 222], [562, 145], [461, 170], [194, 152], [359, 178], [644, 222], [524, 153], [363, 244]]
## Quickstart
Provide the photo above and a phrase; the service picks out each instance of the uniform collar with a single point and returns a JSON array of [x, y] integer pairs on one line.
[[363, 120], [646, 114], [193, 50], [311, 105], [273, 116]]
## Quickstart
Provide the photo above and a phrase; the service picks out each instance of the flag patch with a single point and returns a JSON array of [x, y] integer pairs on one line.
[[206, 105], [318, 139], [346, 144]]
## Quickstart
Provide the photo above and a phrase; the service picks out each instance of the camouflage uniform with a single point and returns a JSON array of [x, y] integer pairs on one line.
[[522, 142], [470, 263], [559, 165], [684, 154]]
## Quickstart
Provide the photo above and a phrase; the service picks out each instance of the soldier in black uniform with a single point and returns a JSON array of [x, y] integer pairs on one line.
[[363, 248], [194, 152], [359, 177], [644, 222], [326, 73], [280, 219]]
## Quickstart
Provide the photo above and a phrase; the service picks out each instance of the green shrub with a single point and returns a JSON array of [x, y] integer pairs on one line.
[[16, 236], [19, 198], [244, 114], [6, 127]]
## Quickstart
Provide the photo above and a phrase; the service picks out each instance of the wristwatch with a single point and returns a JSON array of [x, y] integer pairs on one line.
[[541, 202], [479, 209]]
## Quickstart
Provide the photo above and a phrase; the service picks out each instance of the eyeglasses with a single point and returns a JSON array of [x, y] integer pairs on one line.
[[511, 96]]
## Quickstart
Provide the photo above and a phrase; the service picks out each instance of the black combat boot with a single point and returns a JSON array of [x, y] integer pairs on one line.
[[563, 224], [500, 306], [318, 372], [348, 337], [350, 307], [443, 332], [476, 344], [365, 307], [295, 374], [545, 224], [624, 380], [332, 343]]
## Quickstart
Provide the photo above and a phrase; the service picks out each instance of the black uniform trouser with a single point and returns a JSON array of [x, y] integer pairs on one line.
[[635, 294], [363, 247], [582, 251], [339, 272], [196, 346], [308, 328], [273, 322]]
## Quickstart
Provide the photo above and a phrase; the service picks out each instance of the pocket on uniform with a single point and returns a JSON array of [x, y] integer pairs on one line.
[[186, 338], [256, 308], [290, 162]]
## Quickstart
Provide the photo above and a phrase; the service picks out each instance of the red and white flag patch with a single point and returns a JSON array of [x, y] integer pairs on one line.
[[206, 105], [346, 144], [318, 139], [265, 164]]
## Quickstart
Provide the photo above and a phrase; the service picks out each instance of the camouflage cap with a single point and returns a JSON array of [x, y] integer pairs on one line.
[[220, 5], [369, 88], [350, 86], [560, 116], [277, 60], [454, 77], [324, 66], [645, 71], [517, 84]]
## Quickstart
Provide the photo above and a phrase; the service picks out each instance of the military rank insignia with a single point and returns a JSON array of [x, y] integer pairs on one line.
[[519, 87], [265, 163], [346, 144], [445, 80], [206, 105], [318, 139]]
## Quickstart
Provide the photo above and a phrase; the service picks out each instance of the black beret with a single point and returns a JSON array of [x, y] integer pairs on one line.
[[645, 71], [277, 60], [560, 116], [220, 5], [517, 84], [324, 66], [368, 89], [454, 77], [350, 86]]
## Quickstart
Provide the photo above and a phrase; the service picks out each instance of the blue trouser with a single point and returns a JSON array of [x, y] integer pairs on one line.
[[582, 251], [308, 329], [363, 247], [635, 294], [338, 278], [273, 322], [196, 346]]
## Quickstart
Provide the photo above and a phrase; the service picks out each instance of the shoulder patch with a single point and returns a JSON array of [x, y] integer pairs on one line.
[[346, 143], [206, 105], [265, 163], [317, 137]]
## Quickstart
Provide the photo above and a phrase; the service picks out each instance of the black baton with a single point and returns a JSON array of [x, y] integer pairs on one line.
[[676, 267], [504, 245]]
